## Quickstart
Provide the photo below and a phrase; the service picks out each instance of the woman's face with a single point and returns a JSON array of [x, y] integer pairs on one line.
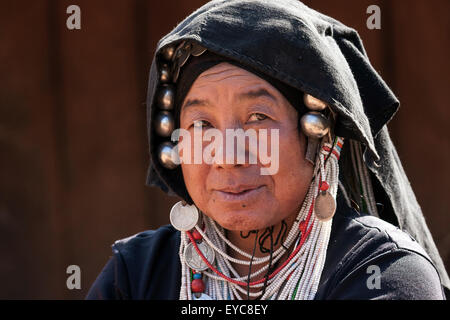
[[237, 196]]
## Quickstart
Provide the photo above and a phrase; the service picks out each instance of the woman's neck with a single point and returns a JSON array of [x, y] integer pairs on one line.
[[258, 244]]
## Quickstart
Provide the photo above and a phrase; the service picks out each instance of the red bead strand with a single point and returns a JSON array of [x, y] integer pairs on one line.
[[240, 283]]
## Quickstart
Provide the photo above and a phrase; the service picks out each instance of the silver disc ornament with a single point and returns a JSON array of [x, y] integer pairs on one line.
[[182, 56], [193, 259], [324, 206], [184, 217]]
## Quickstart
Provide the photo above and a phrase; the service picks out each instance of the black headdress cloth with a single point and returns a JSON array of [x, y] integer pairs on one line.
[[313, 53], [197, 65]]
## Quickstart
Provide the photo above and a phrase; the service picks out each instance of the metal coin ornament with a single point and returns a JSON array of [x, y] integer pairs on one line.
[[175, 71], [184, 217], [178, 48], [193, 259], [197, 50], [324, 204], [182, 56]]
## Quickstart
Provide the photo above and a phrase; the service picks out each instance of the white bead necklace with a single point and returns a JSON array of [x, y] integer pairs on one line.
[[300, 277]]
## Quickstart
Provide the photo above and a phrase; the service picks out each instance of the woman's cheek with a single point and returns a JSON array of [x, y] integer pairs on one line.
[[195, 176]]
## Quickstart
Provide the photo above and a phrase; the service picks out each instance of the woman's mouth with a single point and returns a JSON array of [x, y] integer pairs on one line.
[[238, 194]]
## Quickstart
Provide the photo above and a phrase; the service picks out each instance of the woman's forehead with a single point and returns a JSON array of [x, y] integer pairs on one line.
[[240, 83], [225, 71]]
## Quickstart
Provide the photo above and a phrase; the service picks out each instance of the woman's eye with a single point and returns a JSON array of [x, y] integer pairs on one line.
[[257, 117], [201, 124]]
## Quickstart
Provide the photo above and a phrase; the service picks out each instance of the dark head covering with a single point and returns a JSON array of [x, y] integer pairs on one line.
[[312, 53], [195, 66]]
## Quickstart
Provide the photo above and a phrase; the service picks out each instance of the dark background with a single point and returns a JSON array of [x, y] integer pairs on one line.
[[73, 150]]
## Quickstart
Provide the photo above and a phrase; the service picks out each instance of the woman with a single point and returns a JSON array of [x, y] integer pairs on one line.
[[313, 218]]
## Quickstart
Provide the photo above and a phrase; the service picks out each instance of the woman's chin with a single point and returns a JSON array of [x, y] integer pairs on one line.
[[243, 219]]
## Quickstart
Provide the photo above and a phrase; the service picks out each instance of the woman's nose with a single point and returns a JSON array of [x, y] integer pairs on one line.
[[236, 148]]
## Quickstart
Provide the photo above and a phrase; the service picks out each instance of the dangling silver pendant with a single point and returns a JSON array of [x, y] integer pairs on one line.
[[201, 296], [311, 150], [193, 259], [184, 217], [324, 206]]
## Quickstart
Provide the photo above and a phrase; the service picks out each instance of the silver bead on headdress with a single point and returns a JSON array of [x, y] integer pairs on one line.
[[172, 59]]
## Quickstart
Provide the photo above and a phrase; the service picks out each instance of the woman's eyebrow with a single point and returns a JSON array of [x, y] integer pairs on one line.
[[252, 94], [195, 102]]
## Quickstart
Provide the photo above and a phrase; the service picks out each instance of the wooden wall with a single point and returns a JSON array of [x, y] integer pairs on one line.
[[73, 151]]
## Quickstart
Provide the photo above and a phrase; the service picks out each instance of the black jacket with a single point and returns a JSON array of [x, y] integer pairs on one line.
[[147, 265]]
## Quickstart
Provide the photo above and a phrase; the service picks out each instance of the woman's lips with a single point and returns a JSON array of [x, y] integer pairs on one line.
[[246, 194]]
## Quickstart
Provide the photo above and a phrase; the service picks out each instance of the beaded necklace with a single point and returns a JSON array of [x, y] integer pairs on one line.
[[297, 278]]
